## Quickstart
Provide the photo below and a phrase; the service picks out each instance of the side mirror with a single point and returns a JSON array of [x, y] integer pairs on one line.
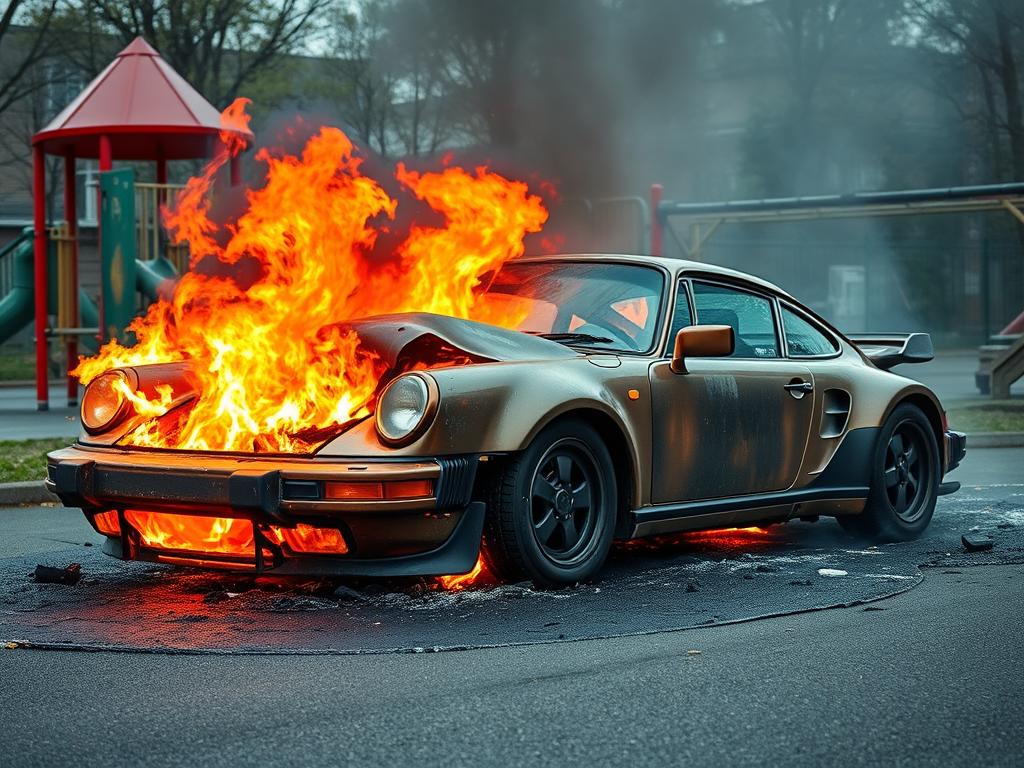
[[702, 341]]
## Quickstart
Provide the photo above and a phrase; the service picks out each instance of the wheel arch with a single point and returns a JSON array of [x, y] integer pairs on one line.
[[616, 439], [925, 401], [623, 460]]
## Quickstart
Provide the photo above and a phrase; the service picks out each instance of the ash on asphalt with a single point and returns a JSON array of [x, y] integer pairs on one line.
[[648, 586]]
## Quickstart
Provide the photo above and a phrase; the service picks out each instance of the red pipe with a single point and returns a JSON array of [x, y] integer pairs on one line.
[[106, 162], [1016, 326], [71, 217], [657, 234], [39, 264]]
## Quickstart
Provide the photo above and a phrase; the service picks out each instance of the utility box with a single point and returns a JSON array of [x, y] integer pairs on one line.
[[847, 298]]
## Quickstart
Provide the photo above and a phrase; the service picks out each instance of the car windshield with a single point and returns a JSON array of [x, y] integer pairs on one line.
[[600, 306]]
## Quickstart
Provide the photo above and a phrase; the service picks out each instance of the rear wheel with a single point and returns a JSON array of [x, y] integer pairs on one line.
[[905, 477], [551, 510]]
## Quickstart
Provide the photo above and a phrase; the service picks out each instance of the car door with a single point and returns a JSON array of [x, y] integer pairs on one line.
[[730, 426]]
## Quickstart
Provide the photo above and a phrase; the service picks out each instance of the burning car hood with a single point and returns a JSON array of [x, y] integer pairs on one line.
[[418, 336], [401, 342]]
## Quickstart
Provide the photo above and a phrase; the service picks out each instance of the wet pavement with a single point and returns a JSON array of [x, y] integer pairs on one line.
[[649, 586], [19, 419], [930, 676]]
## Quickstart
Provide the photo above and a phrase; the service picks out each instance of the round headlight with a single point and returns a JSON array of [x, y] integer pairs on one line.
[[104, 402], [405, 408]]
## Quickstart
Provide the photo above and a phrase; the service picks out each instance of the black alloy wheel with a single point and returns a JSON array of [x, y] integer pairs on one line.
[[551, 509], [563, 508], [906, 471]]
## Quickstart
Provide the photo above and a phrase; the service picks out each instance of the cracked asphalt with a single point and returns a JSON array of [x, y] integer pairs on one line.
[[930, 676]]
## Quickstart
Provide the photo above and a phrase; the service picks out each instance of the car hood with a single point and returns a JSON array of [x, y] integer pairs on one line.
[[420, 336]]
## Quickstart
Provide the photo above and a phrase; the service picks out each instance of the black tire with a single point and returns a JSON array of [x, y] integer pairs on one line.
[[551, 509], [905, 475]]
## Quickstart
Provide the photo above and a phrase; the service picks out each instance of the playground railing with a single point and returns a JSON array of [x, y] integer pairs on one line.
[[152, 238]]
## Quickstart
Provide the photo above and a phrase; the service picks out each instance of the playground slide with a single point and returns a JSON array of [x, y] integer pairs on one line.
[[153, 279], [16, 308]]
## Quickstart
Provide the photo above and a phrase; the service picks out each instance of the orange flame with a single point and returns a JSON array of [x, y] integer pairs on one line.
[[463, 580], [226, 535], [270, 361], [213, 535]]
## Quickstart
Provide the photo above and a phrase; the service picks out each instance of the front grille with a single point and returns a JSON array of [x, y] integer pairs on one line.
[[455, 485]]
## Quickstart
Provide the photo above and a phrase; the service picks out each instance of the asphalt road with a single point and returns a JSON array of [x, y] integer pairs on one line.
[[931, 677]]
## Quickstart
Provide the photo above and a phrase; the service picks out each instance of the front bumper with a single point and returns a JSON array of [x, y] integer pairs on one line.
[[429, 535], [955, 449]]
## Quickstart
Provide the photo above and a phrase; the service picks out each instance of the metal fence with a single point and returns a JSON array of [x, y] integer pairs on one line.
[[906, 284]]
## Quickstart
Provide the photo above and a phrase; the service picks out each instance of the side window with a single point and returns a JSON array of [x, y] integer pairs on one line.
[[803, 339], [681, 316], [749, 315]]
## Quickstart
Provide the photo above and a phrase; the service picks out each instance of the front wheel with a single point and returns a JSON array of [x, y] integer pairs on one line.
[[906, 470], [551, 509]]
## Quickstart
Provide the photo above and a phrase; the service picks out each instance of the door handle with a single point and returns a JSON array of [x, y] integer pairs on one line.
[[799, 386]]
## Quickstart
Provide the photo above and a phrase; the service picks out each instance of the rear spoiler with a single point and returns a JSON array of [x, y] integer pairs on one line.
[[886, 350]]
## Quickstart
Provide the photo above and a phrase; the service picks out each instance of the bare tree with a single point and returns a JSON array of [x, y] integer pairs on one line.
[[812, 132], [416, 49], [386, 74], [23, 47], [987, 35], [361, 80], [219, 46]]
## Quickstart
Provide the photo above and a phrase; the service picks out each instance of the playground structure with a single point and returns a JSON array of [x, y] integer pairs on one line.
[[137, 109], [74, 321]]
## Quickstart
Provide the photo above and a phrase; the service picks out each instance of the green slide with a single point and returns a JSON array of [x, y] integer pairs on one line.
[[17, 307]]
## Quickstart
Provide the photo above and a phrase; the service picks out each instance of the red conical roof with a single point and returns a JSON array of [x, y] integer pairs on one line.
[[146, 108]]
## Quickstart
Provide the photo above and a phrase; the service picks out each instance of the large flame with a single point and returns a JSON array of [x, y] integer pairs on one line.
[[271, 363]]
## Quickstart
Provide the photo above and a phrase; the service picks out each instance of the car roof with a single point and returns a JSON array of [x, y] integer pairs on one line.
[[674, 266]]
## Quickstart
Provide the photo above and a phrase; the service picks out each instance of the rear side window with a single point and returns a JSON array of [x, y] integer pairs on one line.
[[750, 316], [803, 339]]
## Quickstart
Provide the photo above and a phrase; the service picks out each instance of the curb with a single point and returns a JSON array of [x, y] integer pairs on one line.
[[30, 492], [994, 440]]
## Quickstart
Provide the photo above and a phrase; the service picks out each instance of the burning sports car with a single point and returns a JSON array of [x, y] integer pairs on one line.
[[634, 396]]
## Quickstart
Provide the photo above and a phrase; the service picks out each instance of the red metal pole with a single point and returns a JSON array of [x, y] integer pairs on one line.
[[657, 234], [106, 162], [1016, 326], [71, 218], [39, 263]]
